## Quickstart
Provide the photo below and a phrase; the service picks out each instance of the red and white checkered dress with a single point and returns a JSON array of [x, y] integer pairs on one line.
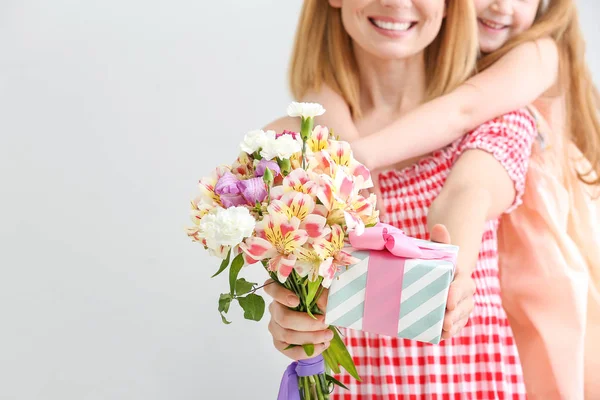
[[481, 362]]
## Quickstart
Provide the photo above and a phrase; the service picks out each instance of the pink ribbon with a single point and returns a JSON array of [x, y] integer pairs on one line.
[[390, 248]]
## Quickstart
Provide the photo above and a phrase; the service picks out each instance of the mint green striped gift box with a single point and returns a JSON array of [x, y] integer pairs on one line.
[[423, 297]]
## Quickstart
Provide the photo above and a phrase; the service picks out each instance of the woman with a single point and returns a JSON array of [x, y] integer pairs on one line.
[[385, 58]]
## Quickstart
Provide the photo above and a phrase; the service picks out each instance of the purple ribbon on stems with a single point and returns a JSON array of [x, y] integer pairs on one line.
[[289, 390]]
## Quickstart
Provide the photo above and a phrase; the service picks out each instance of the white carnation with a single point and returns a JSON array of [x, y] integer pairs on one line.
[[283, 147], [305, 110], [254, 140], [226, 227]]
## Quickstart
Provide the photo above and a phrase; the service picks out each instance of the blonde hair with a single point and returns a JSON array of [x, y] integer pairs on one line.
[[558, 19], [323, 53]]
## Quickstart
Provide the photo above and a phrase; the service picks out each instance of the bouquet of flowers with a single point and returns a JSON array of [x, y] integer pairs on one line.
[[287, 203]]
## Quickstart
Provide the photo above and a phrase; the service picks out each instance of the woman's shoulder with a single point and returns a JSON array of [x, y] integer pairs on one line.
[[338, 115], [283, 124]]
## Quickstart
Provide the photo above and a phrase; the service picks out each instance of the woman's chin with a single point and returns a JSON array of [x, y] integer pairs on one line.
[[391, 52]]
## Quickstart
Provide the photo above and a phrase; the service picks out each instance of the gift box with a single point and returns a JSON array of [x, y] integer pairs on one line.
[[398, 288]]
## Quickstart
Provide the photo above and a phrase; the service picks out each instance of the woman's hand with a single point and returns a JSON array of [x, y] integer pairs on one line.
[[292, 327]]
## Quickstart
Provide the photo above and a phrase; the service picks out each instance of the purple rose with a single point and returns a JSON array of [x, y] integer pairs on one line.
[[227, 184], [253, 190], [234, 192], [228, 191], [263, 165]]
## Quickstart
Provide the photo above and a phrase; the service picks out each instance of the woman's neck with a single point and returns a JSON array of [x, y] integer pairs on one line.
[[395, 86]]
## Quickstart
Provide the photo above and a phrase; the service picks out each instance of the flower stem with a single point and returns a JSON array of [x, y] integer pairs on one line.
[[319, 292], [315, 381], [303, 154], [307, 392], [254, 290]]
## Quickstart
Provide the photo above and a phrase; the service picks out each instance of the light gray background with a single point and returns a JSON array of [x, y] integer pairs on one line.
[[110, 111]]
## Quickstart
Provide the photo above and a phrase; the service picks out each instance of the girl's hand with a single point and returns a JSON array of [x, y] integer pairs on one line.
[[460, 296]]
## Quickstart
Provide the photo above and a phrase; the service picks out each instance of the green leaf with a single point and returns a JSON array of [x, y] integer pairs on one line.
[[253, 305], [309, 349], [242, 286], [224, 265], [330, 360], [335, 381], [341, 354], [224, 302], [313, 287], [224, 320], [236, 266], [291, 346]]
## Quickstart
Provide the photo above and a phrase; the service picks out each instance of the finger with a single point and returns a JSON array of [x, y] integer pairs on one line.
[[379, 199], [455, 294], [381, 210], [322, 300], [295, 320], [462, 312], [455, 329], [440, 234], [465, 309], [299, 337], [460, 289], [467, 291], [298, 353], [281, 294], [446, 335], [458, 327], [449, 319]]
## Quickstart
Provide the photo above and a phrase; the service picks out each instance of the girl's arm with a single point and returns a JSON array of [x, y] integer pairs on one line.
[[513, 82], [466, 202], [486, 180]]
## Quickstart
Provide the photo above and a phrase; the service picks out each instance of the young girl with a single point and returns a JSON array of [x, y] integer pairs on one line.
[[549, 246], [387, 57]]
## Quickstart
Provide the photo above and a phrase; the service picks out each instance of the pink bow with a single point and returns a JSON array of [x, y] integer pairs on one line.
[[384, 236]]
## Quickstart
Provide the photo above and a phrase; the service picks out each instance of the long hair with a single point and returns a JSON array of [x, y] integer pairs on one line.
[[323, 53], [558, 19]]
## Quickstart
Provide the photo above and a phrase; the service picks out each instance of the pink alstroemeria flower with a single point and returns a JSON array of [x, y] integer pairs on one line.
[[277, 239]]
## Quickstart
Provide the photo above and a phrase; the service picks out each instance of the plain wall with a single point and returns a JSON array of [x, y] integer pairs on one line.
[[110, 112]]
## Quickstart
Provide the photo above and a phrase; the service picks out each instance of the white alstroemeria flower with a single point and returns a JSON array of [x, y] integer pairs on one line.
[[254, 140], [305, 110], [226, 227], [283, 147]]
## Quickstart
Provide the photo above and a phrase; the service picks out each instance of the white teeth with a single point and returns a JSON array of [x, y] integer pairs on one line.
[[492, 24], [392, 26]]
